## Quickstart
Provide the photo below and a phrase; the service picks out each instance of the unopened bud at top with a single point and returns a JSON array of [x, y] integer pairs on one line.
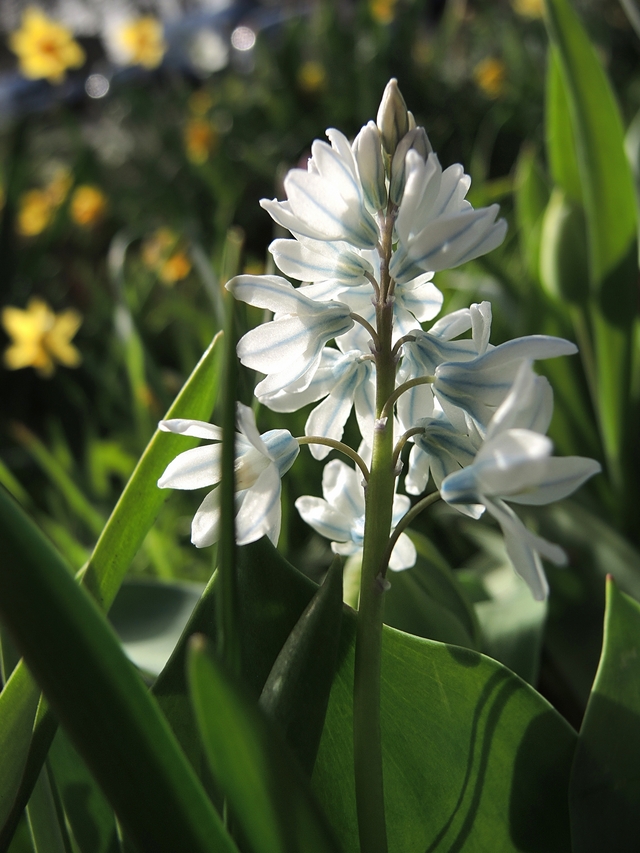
[[368, 156], [393, 117], [415, 140]]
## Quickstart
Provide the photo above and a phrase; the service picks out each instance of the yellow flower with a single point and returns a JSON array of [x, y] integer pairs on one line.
[[40, 337], [88, 205], [200, 102], [157, 247], [175, 268], [35, 212], [383, 11], [140, 42], [58, 187], [491, 75], [45, 49], [199, 140], [528, 8], [312, 76]]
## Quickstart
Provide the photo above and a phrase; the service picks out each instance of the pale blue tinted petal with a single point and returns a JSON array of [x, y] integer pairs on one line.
[[449, 241], [266, 291], [315, 261], [206, 521], [422, 185], [367, 151], [259, 514], [480, 325], [562, 476], [272, 346], [403, 555], [328, 420], [417, 476], [246, 421], [342, 488], [282, 448], [453, 324], [420, 297], [193, 469], [195, 429], [325, 520]]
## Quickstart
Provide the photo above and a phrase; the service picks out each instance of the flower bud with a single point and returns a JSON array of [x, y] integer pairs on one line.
[[417, 140], [393, 118], [368, 156]]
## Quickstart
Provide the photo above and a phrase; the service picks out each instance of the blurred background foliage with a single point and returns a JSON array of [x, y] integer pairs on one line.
[[124, 189]]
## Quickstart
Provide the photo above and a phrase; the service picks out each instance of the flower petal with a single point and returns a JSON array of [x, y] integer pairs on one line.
[[195, 429], [404, 554], [193, 469], [206, 522], [260, 513]]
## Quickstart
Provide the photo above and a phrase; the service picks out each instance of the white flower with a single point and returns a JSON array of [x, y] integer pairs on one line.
[[261, 460], [437, 228], [326, 202], [515, 464], [289, 346], [340, 516], [345, 381]]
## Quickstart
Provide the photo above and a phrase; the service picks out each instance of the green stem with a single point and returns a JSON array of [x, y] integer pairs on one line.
[[367, 741], [337, 445], [402, 525]]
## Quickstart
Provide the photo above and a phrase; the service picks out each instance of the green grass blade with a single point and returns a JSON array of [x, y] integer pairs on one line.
[[114, 722], [266, 790], [46, 822]]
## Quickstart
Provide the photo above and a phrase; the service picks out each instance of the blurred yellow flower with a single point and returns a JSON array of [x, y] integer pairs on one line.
[[528, 8], [490, 75], [383, 11], [88, 204], [45, 49], [140, 42], [58, 187], [35, 211], [40, 337], [200, 102], [175, 268], [312, 76], [158, 246], [199, 140]]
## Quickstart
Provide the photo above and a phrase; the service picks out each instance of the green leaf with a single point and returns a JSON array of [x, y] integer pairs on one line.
[[296, 693], [117, 726], [531, 195], [474, 758], [605, 783], [124, 533], [149, 616], [563, 263], [559, 136], [608, 195], [90, 818], [46, 821], [266, 790], [428, 601]]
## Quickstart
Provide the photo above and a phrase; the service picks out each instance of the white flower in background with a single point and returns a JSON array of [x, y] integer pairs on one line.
[[340, 516], [289, 346], [261, 460], [515, 465]]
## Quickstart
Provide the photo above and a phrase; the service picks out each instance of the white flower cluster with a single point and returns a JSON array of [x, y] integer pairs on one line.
[[371, 221]]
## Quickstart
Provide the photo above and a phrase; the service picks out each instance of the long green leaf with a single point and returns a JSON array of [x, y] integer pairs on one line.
[[608, 196], [296, 693], [266, 789], [605, 783], [96, 693], [128, 524], [46, 822]]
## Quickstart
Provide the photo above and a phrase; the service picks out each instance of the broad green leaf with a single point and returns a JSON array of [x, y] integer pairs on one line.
[[99, 698], [563, 263], [474, 758], [605, 783], [428, 601], [128, 524], [296, 694], [149, 617], [46, 822], [531, 195], [90, 817], [559, 136], [608, 195], [265, 788]]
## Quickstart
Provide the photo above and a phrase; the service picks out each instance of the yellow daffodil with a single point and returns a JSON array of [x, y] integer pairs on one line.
[[175, 268], [40, 338], [528, 8], [45, 49], [139, 42], [88, 204], [35, 212], [199, 140], [312, 76], [383, 11], [490, 76]]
